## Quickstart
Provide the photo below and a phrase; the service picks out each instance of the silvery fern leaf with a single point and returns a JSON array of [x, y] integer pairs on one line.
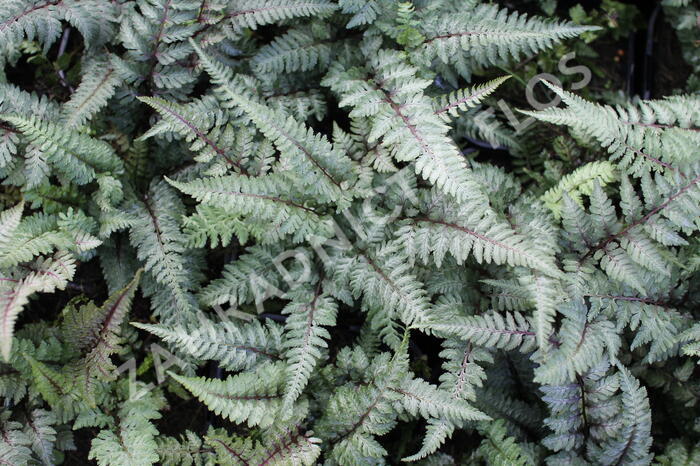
[[286, 444], [245, 280], [14, 100], [160, 245], [450, 105], [253, 13], [390, 291], [306, 338], [234, 346], [15, 444], [462, 376], [499, 448], [503, 331], [253, 397], [363, 12], [188, 449], [488, 35], [691, 341], [654, 135], [392, 95], [100, 79], [295, 50], [303, 151], [632, 444], [39, 429], [132, 441], [73, 155], [581, 345], [198, 127], [41, 20], [578, 183], [421, 398], [9, 221], [546, 294], [576, 409], [266, 200], [470, 228]]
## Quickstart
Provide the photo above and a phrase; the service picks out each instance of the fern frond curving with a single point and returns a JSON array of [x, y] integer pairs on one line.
[[252, 397]]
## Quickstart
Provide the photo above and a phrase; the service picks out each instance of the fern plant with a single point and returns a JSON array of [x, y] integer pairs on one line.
[[259, 232]]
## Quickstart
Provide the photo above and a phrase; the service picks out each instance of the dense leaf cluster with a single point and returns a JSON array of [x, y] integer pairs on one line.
[[268, 211]]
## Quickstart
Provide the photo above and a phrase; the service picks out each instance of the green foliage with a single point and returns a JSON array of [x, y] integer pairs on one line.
[[304, 257], [41, 20]]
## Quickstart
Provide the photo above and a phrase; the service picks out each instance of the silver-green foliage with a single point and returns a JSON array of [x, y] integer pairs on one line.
[[277, 196]]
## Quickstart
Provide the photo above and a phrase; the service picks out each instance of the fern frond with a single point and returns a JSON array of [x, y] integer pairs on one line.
[[52, 385], [402, 116], [254, 13], [305, 339], [295, 50], [46, 276], [154, 35], [253, 397], [303, 151], [577, 183], [238, 283], [634, 439], [160, 245], [269, 199], [420, 397], [488, 35], [14, 444], [508, 331], [355, 414], [678, 453], [472, 228], [621, 247], [196, 126], [40, 431], [653, 135], [288, 446], [41, 20], [363, 12], [100, 80], [228, 83], [9, 221], [581, 345], [384, 279], [188, 450], [234, 347], [691, 340], [499, 448], [545, 293], [95, 333], [74, 155], [449, 105], [284, 445], [36, 235], [461, 377], [577, 408], [132, 442]]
